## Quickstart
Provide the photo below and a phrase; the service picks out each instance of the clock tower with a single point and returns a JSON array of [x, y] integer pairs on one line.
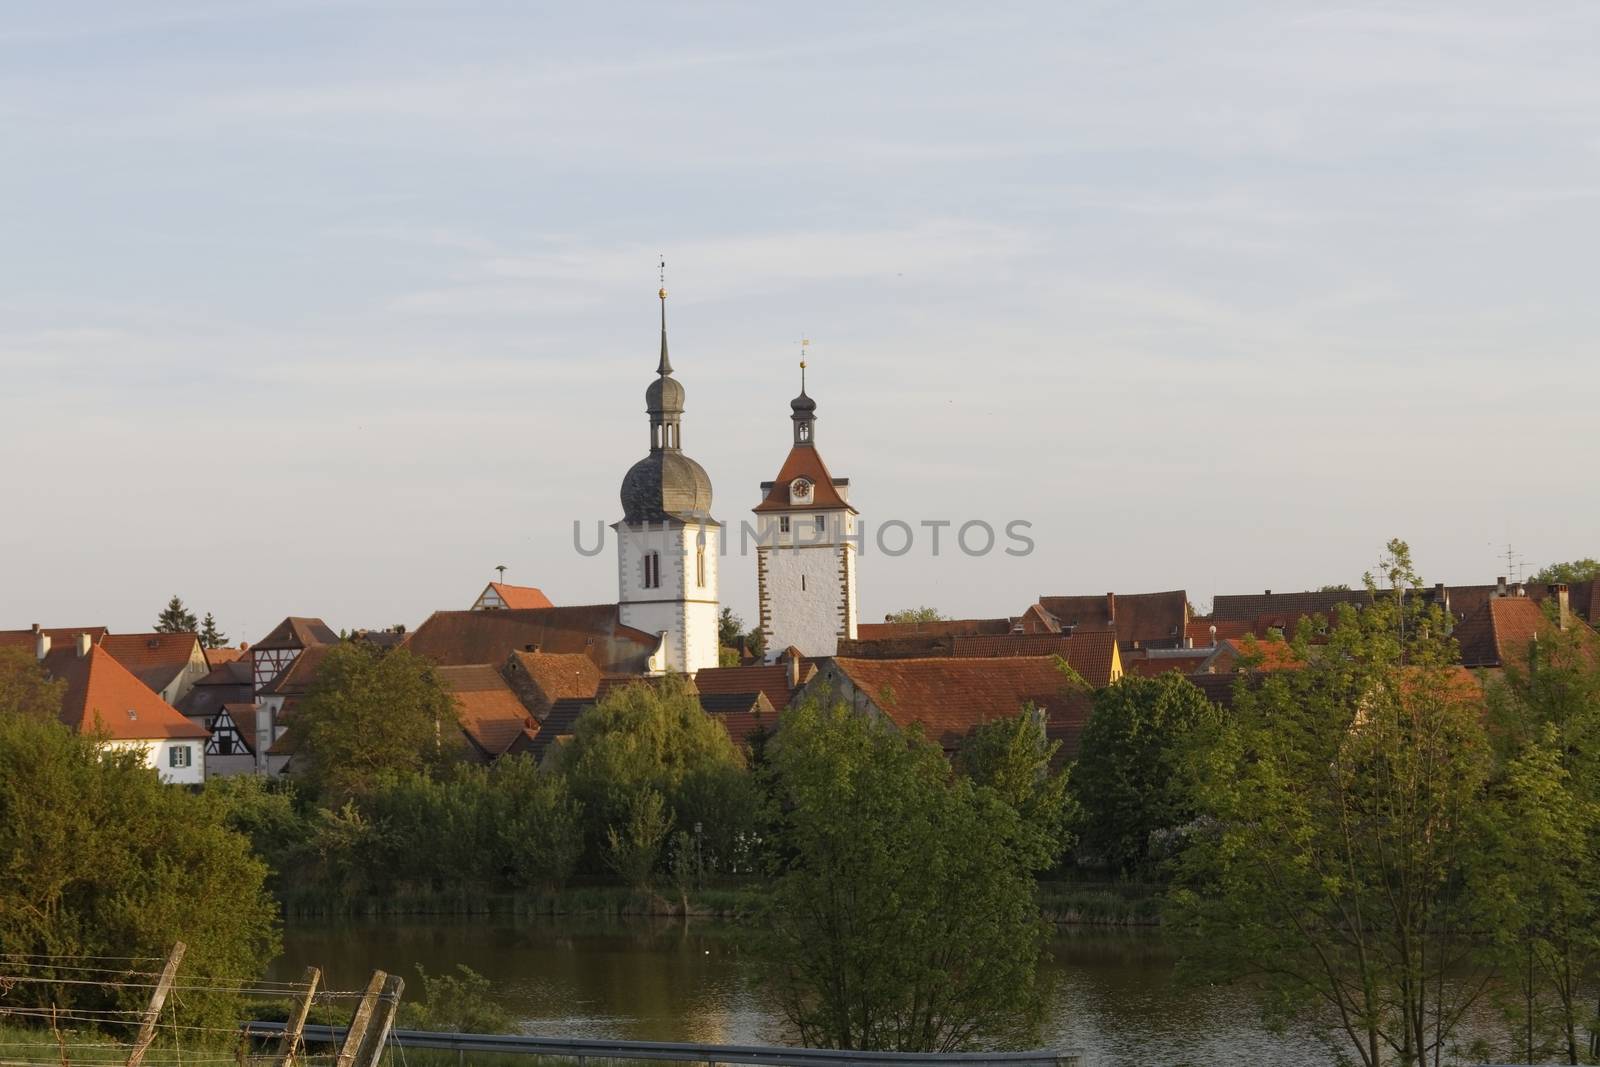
[[806, 547]]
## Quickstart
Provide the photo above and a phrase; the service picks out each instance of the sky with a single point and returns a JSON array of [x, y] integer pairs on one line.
[[327, 308]]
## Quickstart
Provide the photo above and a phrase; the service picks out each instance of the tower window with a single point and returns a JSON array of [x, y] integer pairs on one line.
[[652, 570], [783, 524], [822, 523], [700, 566], [802, 583]]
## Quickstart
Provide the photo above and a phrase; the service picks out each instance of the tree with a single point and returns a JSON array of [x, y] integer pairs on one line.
[[1546, 725], [125, 869], [1012, 757], [1347, 851], [656, 738], [24, 687], [176, 619], [903, 914], [907, 616], [369, 712], [1126, 780], [210, 636], [1571, 573], [729, 628]]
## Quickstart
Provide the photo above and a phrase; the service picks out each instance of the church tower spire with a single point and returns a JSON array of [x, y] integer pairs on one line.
[[803, 410]]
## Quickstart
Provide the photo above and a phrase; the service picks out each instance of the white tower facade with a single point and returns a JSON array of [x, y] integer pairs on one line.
[[806, 547], [667, 541]]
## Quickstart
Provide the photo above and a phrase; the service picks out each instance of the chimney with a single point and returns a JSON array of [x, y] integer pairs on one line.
[[1500, 586], [83, 645], [792, 663], [1111, 606], [1559, 594], [1213, 635], [41, 642]]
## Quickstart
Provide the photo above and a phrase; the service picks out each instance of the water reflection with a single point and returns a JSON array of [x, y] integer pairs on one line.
[[1112, 994]]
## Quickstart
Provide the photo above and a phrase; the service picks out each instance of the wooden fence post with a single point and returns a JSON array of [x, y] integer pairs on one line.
[[388, 1006], [297, 1020], [361, 1020], [152, 1014]]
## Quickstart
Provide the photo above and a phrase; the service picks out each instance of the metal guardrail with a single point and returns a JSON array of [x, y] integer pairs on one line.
[[583, 1049]]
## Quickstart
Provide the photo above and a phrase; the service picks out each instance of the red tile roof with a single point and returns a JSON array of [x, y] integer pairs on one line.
[[1199, 630], [773, 681], [1153, 620], [156, 659], [490, 714], [882, 631], [216, 657], [1504, 629], [1093, 655], [297, 632], [1146, 665], [457, 638], [103, 695], [60, 636], [520, 596], [803, 461], [950, 697], [558, 675]]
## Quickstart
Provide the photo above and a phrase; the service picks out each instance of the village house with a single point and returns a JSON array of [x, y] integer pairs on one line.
[[498, 595], [103, 698], [169, 664]]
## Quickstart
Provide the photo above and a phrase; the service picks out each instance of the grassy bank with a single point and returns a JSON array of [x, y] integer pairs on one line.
[[1100, 904]]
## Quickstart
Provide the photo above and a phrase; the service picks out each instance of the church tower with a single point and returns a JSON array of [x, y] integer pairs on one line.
[[806, 546], [667, 541]]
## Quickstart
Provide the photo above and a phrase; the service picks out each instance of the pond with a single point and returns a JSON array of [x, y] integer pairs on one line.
[[1112, 994]]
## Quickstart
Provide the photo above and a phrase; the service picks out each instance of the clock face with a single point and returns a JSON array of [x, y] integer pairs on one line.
[[800, 489]]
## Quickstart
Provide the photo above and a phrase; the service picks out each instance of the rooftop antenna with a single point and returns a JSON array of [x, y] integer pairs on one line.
[[501, 567], [1514, 563]]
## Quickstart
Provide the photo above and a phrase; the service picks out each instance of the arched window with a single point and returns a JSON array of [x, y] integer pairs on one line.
[[700, 566], [652, 570]]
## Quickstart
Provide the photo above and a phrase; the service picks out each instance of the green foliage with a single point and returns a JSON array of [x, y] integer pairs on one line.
[[370, 713], [24, 687], [462, 1003], [729, 628], [176, 619], [1546, 725], [210, 635], [98, 858], [269, 813], [1343, 849], [915, 615], [633, 849], [642, 739], [903, 916], [1012, 757], [1570, 573], [1126, 780]]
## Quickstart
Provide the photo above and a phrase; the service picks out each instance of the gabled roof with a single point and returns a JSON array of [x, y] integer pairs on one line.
[[950, 697], [557, 675], [59, 636], [216, 657], [490, 714], [453, 638], [1504, 629], [243, 718], [1144, 619], [229, 682], [773, 681], [104, 696], [1200, 630], [742, 715], [156, 659], [295, 679], [297, 632], [804, 461], [519, 596]]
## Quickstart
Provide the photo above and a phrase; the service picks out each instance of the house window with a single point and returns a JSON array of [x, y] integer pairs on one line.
[[652, 570], [178, 756], [783, 524], [822, 523]]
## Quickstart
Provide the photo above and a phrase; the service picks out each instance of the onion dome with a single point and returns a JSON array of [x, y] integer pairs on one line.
[[666, 484]]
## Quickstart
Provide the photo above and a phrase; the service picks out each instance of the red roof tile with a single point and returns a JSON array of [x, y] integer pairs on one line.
[[103, 695], [950, 697], [558, 675], [297, 632], [773, 681], [1152, 620], [520, 596], [156, 659], [490, 714], [803, 461], [882, 631], [60, 636], [1504, 629], [455, 638]]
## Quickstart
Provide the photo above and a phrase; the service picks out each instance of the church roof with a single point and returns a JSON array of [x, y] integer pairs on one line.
[[804, 461], [666, 485], [468, 637]]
